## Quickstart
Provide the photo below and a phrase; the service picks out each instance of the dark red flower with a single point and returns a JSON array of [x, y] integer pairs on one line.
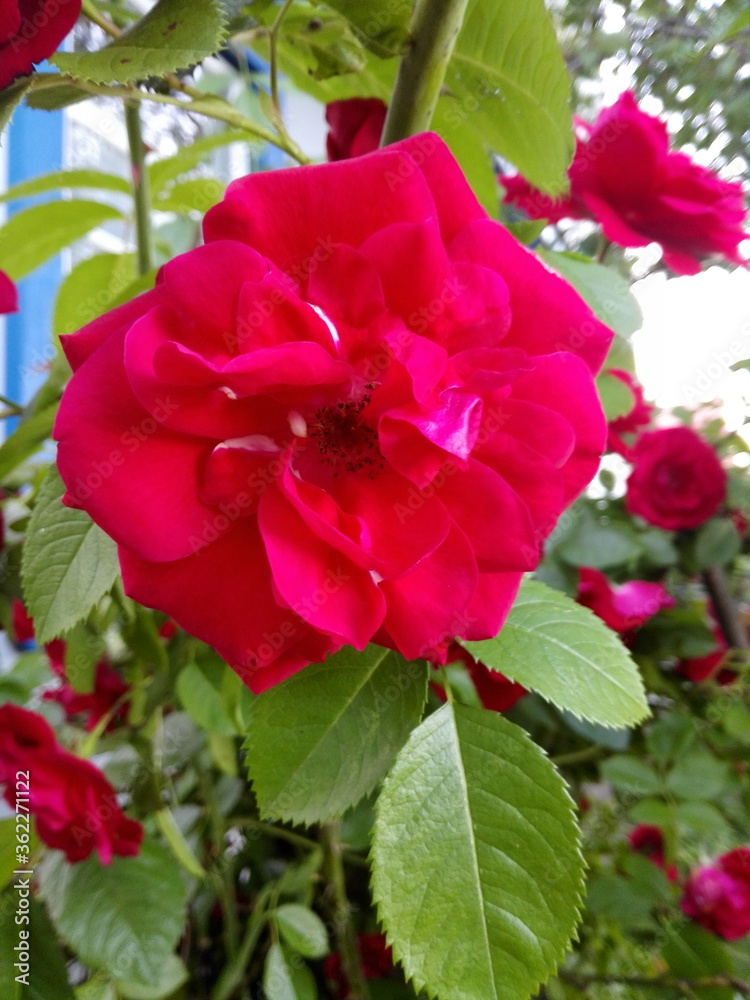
[[355, 126], [623, 608], [353, 415], [109, 690], [649, 840], [376, 959], [677, 481], [717, 896], [633, 422], [625, 176], [30, 31], [23, 624], [74, 806], [8, 291]]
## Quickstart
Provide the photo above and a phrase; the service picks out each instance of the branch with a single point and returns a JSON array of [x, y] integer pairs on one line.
[[727, 613], [344, 932], [434, 28], [141, 194]]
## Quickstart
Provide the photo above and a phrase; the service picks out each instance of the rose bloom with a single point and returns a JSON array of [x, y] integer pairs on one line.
[[30, 31], [354, 126], [625, 176], [74, 806], [623, 608], [352, 415], [8, 291], [717, 896], [109, 690], [649, 841], [631, 423], [677, 481]]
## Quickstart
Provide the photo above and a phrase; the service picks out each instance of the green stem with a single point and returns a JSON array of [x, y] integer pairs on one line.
[[247, 822], [141, 194], [343, 926], [234, 972], [578, 756], [434, 28], [727, 613], [683, 984], [92, 12], [273, 39]]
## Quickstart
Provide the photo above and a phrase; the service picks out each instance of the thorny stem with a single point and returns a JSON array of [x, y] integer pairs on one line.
[[344, 932], [141, 194], [433, 31]]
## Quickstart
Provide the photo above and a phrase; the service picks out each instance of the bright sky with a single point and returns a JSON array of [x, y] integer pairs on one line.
[[694, 329]]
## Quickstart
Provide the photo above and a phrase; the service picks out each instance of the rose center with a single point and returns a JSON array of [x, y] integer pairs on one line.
[[344, 438]]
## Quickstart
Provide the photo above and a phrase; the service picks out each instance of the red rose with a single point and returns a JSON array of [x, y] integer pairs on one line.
[[74, 806], [649, 840], [718, 896], [8, 291], [107, 697], [352, 415], [495, 690], [677, 481], [375, 956], [625, 607], [632, 422], [625, 176], [354, 126], [30, 31]]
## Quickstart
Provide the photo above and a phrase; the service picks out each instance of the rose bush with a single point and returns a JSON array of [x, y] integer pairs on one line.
[[625, 176], [30, 31], [717, 896], [648, 840], [74, 806], [354, 126], [342, 419], [677, 480]]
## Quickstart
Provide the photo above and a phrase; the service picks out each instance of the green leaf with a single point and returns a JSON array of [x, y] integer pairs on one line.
[[90, 289], [382, 25], [716, 543], [56, 96], [630, 775], [10, 841], [62, 179], [698, 775], [84, 647], [172, 35], [692, 952], [48, 977], [606, 291], [68, 562], [286, 979], [36, 234], [302, 930], [26, 439], [350, 716], [564, 652], [125, 917], [617, 398], [593, 543], [198, 688], [617, 899], [172, 975], [161, 172], [197, 195], [508, 74], [10, 97], [477, 872]]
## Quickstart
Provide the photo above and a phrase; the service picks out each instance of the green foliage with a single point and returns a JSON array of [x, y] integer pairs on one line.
[[716, 543], [10, 98], [31, 237], [350, 715], [68, 562], [26, 440], [554, 646], [90, 289], [382, 25], [284, 979], [124, 918], [302, 930], [475, 843], [163, 172], [617, 398], [692, 952], [172, 35], [606, 291], [63, 179]]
